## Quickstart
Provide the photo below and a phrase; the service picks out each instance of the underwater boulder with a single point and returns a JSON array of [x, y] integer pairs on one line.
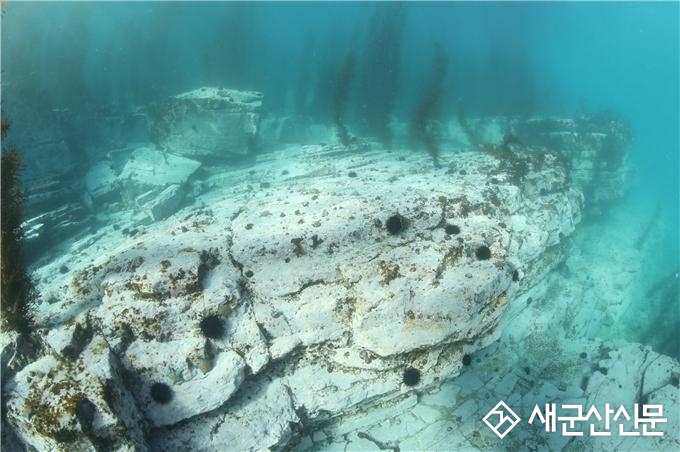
[[165, 203], [56, 404], [261, 416], [155, 181], [208, 124], [322, 308]]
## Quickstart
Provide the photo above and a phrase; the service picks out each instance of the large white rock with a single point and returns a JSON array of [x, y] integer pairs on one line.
[[59, 404], [193, 392], [259, 418], [322, 307]]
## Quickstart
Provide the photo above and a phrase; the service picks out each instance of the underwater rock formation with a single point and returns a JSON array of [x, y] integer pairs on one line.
[[60, 223], [596, 148], [149, 169], [588, 373], [54, 212], [150, 180], [323, 308], [207, 124], [52, 390], [229, 129], [101, 183]]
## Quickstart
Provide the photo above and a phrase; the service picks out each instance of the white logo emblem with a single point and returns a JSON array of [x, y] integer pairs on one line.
[[504, 416]]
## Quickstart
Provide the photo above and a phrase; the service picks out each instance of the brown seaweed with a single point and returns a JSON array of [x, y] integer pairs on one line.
[[420, 127], [18, 291]]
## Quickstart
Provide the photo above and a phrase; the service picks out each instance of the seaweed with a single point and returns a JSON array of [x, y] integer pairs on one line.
[[517, 165], [18, 291], [660, 329], [467, 130], [302, 97], [381, 56], [341, 94], [297, 244], [421, 121]]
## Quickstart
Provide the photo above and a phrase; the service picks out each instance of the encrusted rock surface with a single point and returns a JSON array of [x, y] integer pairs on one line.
[[208, 124], [322, 306], [546, 354], [596, 147], [50, 407]]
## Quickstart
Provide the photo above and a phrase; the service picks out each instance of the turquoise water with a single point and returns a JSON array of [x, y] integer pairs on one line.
[[504, 58], [68, 66]]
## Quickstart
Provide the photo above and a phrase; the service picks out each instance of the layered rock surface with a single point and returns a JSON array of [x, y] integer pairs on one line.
[[324, 302], [551, 351], [207, 124], [586, 373], [596, 147], [150, 180]]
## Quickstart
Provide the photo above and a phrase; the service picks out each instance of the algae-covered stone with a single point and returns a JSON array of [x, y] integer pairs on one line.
[[68, 405], [322, 306]]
